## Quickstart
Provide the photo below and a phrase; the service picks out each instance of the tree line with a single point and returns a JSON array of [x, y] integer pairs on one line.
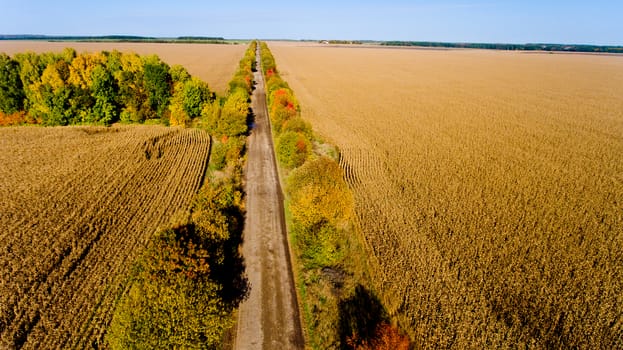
[[339, 311], [97, 88], [119, 38], [501, 46]]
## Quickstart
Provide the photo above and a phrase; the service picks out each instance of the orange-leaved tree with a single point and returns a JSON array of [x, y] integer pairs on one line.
[[283, 107], [385, 337], [293, 148]]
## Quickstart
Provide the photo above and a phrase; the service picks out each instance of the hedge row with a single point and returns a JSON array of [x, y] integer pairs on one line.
[[227, 118], [339, 310], [293, 136]]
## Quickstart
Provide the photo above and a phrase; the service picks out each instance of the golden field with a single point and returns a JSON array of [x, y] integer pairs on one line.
[[488, 187], [78, 206], [213, 63]]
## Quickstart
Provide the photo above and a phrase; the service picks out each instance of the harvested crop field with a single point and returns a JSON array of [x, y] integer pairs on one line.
[[488, 187], [213, 63], [78, 205]]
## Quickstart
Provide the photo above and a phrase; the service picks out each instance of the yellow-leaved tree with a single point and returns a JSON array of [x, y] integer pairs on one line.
[[172, 303], [179, 117], [319, 194], [321, 207], [82, 67]]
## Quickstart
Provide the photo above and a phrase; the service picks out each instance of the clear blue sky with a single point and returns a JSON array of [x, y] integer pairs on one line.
[[513, 21]]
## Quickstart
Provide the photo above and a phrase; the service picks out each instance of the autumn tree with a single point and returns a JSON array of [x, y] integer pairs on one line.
[[196, 93], [293, 148], [51, 95], [179, 74], [273, 84], [388, 337], [178, 115], [364, 324], [283, 107], [31, 68], [210, 116], [68, 54], [243, 78], [298, 125], [211, 208], [81, 69], [133, 94], [113, 62], [189, 97], [268, 61], [234, 113], [172, 302], [321, 206]]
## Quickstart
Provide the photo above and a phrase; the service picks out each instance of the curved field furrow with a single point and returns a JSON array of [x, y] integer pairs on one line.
[[115, 191]]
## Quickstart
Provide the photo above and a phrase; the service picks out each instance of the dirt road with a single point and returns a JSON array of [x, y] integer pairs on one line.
[[269, 318]]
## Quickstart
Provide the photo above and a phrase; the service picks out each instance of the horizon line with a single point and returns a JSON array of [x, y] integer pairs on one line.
[[207, 37]]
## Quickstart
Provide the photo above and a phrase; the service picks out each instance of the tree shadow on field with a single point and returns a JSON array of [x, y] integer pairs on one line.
[[359, 317]]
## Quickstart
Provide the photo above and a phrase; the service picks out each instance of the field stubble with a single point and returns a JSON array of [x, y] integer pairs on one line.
[[488, 187], [78, 205]]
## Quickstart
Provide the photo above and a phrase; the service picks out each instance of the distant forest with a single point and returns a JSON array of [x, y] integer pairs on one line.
[[119, 38], [523, 47], [221, 40]]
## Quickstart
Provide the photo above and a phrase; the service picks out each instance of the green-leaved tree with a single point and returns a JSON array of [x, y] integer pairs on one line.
[[11, 88]]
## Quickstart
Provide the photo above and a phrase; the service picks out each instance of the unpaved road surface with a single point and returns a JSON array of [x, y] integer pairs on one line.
[[269, 318]]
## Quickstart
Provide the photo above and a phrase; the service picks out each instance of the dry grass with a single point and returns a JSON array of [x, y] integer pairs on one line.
[[488, 187], [212, 63], [78, 205]]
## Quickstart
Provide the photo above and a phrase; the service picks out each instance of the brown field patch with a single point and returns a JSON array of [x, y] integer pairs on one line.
[[212, 63], [488, 187], [78, 206]]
